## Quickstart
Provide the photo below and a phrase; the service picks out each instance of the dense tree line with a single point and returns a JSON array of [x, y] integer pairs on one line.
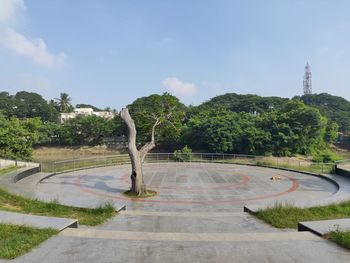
[[229, 123], [294, 128], [335, 108], [27, 105]]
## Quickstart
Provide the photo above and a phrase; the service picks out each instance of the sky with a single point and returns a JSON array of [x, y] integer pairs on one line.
[[111, 52]]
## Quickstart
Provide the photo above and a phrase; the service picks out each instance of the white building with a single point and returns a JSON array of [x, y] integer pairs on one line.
[[84, 112]]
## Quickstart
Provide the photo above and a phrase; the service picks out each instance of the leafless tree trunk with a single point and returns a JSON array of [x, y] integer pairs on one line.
[[137, 156]]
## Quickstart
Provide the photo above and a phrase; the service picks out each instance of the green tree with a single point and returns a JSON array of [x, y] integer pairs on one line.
[[167, 109], [17, 137], [335, 108], [31, 105], [296, 128], [82, 105], [64, 103], [88, 130]]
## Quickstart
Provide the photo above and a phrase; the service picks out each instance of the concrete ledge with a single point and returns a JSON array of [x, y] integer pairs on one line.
[[189, 237], [122, 208], [342, 172], [37, 221], [26, 173], [249, 209], [323, 227]]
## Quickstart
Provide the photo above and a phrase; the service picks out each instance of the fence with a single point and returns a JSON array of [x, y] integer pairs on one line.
[[92, 162]]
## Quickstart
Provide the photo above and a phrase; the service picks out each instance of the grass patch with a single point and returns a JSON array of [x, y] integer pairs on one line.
[[8, 169], [288, 216], [72, 165], [149, 193], [17, 240], [314, 168], [339, 237], [85, 216]]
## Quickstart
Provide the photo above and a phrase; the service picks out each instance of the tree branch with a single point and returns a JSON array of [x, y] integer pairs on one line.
[[149, 146]]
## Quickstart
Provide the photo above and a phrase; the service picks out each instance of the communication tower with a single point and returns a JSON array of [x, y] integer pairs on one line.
[[307, 80]]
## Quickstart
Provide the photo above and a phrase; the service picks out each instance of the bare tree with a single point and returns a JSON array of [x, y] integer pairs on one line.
[[137, 156]]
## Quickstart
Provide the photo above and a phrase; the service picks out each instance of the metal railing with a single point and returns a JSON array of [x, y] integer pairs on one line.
[[120, 159]]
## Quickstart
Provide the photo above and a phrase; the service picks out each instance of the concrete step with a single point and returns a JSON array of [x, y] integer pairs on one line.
[[190, 237], [37, 221], [186, 222], [323, 227], [179, 214]]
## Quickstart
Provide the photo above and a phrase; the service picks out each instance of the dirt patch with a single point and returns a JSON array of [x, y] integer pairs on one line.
[[46, 154]]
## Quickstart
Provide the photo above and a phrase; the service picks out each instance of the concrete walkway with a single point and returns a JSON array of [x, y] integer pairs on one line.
[[131, 237]]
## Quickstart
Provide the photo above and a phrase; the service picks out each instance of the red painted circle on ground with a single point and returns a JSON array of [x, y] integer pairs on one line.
[[294, 187]]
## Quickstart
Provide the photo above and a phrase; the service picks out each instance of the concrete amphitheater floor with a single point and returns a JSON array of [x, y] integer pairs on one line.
[[197, 216]]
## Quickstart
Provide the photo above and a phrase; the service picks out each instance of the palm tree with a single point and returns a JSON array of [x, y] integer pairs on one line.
[[64, 103]]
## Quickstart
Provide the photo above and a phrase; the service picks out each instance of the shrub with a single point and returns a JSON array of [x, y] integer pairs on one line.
[[325, 156], [183, 155]]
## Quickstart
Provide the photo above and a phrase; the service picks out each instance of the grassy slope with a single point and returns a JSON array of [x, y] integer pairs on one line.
[[85, 216], [288, 216], [17, 240], [8, 169], [341, 238]]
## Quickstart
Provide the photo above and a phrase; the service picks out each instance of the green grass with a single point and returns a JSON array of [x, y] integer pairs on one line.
[[149, 193], [8, 169], [288, 216], [341, 238], [85, 216], [314, 168], [17, 240]]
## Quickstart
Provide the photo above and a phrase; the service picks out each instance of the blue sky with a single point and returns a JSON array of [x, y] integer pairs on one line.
[[110, 52]]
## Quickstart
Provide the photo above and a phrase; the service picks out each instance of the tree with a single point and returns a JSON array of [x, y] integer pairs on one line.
[[83, 105], [85, 130], [245, 103], [146, 109], [17, 137], [335, 108], [64, 103], [26, 105], [159, 111], [31, 105]]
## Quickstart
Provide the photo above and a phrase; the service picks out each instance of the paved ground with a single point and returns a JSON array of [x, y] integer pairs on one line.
[[186, 187], [197, 216]]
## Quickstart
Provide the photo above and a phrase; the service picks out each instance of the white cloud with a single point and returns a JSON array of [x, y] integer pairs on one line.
[[179, 88], [8, 10], [35, 49]]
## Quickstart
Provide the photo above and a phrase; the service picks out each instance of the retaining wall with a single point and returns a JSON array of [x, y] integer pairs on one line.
[[341, 171], [5, 163]]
